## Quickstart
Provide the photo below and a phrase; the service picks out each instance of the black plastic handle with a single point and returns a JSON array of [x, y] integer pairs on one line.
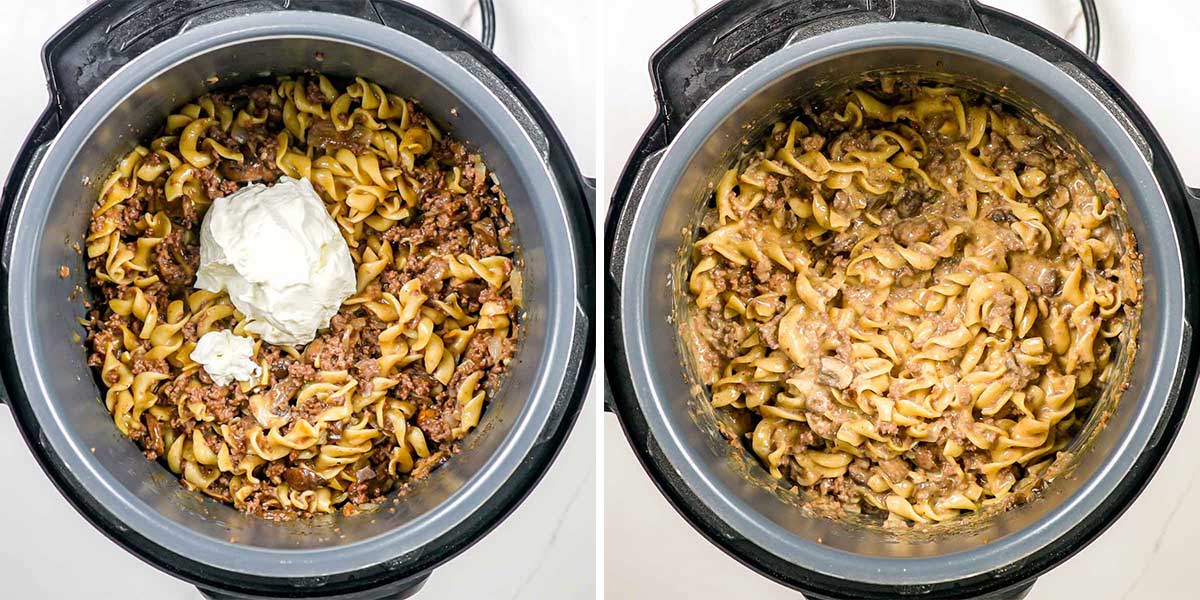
[[15, 189], [1193, 204], [400, 591], [724, 41], [617, 226], [1019, 592], [109, 34], [589, 191], [733, 35]]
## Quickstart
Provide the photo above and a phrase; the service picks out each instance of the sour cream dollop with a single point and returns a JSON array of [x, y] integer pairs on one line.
[[281, 258], [226, 357]]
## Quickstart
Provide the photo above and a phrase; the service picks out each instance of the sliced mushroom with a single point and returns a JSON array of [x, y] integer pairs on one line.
[[302, 478], [271, 409], [364, 474], [835, 373]]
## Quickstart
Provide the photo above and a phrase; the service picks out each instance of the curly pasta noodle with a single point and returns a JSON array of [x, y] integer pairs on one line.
[[404, 370], [910, 302]]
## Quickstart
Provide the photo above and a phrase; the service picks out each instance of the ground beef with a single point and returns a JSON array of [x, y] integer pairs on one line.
[[334, 355], [313, 93], [104, 336], [468, 295], [261, 96], [738, 280], [215, 186], [483, 241], [142, 364], [812, 142], [372, 490], [432, 274], [725, 336], [440, 223], [444, 224], [769, 331], [274, 471], [177, 260], [476, 358], [414, 383], [223, 402], [841, 489], [818, 279], [434, 424], [365, 370]]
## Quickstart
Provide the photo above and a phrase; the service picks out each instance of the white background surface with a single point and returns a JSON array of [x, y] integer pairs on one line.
[[1151, 48], [545, 549]]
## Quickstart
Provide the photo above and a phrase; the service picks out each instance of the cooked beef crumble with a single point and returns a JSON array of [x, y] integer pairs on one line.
[[442, 225], [911, 308]]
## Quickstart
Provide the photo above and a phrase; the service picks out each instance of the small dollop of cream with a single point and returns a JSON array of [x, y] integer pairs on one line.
[[226, 357], [281, 258]]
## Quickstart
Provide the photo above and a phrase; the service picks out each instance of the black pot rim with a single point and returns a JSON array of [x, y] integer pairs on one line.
[[1011, 578], [403, 571]]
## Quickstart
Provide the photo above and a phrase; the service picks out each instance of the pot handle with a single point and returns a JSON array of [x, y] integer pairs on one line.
[[16, 187], [701, 58], [617, 226], [400, 591], [109, 34], [1194, 193], [1018, 592], [589, 192]]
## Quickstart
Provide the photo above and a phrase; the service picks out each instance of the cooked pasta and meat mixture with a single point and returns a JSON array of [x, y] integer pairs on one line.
[[910, 299], [379, 392]]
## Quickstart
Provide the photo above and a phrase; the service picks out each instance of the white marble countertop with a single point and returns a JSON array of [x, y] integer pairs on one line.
[[545, 549], [651, 552]]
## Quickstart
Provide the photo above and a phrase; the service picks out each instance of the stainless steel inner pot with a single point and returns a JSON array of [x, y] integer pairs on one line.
[[678, 419], [143, 506]]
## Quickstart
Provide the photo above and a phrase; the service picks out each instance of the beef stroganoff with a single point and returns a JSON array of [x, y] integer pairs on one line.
[[910, 301], [401, 374]]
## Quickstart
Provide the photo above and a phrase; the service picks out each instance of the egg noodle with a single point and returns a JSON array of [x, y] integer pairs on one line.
[[406, 365], [911, 301]]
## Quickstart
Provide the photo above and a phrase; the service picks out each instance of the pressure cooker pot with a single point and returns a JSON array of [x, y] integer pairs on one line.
[[720, 84], [114, 74]]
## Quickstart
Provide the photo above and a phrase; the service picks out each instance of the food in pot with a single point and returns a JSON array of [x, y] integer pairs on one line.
[[320, 384], [278, 254], [911, 300], [226, 357]]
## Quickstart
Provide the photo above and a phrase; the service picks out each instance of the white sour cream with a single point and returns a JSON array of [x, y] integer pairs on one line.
[[226, 357], [281, 258]]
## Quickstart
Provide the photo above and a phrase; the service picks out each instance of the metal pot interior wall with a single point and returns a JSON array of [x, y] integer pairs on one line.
[[733, 483], [115, 465], [715, 421]]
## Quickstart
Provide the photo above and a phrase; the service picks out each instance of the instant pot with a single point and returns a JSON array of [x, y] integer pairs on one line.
[[720, 83], [114, 73]]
